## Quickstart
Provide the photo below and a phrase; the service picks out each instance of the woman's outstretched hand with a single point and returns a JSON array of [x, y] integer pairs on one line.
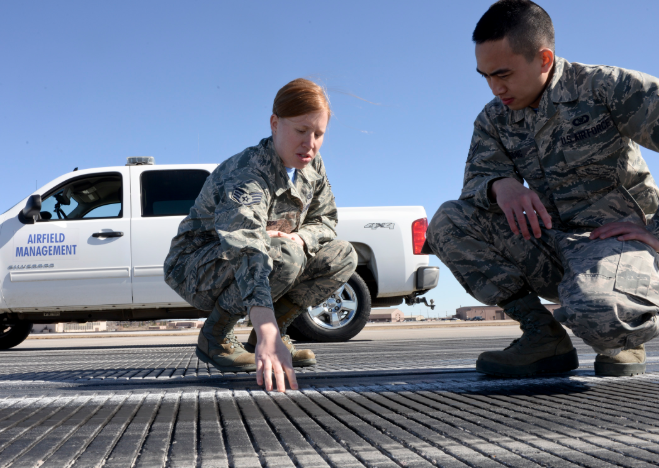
[[271, 353]]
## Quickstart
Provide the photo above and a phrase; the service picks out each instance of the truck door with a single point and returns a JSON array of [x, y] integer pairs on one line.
[[78, 254], [165, 198]]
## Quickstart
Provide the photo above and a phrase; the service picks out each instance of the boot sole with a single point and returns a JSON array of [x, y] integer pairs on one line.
[[208, 360], [551, 365], [607, 369]]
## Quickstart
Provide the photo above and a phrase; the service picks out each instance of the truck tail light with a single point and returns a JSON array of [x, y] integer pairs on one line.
[[419, 228]]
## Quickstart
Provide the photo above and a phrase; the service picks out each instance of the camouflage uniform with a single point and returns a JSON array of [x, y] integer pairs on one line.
[[579, 153], [222, 252]]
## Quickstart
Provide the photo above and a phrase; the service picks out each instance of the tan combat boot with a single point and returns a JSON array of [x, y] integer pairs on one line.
[[285, 313], [218, 346], [626, 363], [544, 347]]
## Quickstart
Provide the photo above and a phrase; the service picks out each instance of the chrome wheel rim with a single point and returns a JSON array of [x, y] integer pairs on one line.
[[337, 311]]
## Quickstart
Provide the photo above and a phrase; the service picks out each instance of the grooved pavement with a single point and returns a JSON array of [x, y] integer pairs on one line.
[[397, 403]]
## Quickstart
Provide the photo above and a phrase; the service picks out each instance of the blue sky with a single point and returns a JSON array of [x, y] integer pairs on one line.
[[88, 83]]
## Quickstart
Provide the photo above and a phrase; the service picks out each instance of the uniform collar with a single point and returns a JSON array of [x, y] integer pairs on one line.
[[282, 181], [309, 173], [562, 88]]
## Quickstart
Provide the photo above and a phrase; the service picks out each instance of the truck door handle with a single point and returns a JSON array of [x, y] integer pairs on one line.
[[108, 234]]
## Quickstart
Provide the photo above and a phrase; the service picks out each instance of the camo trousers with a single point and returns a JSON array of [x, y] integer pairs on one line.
[[608, 289], [307, 281]]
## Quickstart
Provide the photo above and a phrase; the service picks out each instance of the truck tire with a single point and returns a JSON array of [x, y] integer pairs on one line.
[[325, 324], [14, 334]]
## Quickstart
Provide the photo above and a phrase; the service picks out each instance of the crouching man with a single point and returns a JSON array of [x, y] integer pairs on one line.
[[260, 240], [571, 132]]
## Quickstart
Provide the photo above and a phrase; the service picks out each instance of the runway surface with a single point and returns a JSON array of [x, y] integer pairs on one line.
[[394, 398]]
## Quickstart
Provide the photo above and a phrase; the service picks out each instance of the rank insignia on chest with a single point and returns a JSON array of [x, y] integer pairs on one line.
[[241, 196]]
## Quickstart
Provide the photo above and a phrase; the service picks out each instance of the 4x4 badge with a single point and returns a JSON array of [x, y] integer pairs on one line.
[[380, 225]]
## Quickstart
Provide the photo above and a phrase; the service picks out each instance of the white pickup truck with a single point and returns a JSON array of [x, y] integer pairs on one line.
[[90, 246]]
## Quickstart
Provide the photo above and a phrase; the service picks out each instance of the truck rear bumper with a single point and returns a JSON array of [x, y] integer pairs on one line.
[[427, 278]]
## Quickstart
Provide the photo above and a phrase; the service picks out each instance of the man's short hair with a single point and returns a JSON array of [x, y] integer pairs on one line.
[[526, 25]]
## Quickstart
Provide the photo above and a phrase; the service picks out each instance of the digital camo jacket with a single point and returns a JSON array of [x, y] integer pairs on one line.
[[245, 196], [579, 152]]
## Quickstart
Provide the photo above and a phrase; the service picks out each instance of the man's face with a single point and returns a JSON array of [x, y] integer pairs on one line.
[[511, 77]]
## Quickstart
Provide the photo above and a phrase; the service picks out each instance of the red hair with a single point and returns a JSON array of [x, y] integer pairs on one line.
[[299, 97]]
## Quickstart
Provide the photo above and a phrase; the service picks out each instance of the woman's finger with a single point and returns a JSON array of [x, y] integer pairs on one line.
[[259, 372], [279, 378], [267, 373], [292, 380]]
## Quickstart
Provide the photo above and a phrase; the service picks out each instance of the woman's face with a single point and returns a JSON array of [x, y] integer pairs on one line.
[[298, 139]]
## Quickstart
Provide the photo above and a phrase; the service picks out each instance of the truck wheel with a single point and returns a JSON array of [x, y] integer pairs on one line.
[[14, 334], [339, 318]]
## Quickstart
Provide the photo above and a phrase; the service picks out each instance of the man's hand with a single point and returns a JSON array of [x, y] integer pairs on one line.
[[294, 237], [271, 353], [626, 231], [515, 199]]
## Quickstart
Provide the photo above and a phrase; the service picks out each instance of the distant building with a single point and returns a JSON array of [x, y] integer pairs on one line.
[[414, 318], [69, 327], [487, 312], [387, 315], [185, 324], [81, 327], [490, 312]]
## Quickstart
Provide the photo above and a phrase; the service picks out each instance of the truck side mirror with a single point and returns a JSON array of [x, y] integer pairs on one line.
[[30, 213]]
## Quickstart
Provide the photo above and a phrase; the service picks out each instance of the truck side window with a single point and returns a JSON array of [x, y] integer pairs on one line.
[[170, 192], [94, 197]]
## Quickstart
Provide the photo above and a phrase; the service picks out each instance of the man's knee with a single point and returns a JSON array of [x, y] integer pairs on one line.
[[450, 212], [608, 320], [595, 327], [450, 215]]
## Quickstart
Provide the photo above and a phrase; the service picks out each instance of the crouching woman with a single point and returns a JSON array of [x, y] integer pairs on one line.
[[260, 240]]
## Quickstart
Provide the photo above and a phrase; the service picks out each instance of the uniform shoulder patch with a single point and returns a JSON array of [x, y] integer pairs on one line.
[[246, 198]]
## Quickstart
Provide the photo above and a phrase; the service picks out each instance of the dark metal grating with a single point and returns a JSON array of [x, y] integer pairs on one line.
[[591, 422], [166, 415]]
